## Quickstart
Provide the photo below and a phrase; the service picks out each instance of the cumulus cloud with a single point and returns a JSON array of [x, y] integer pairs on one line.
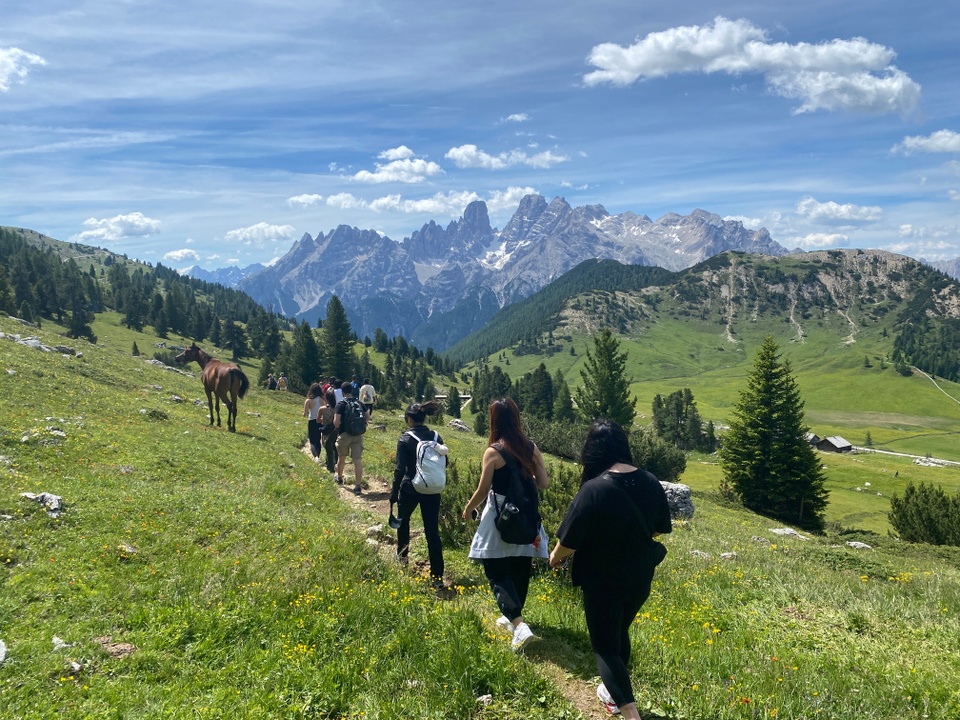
[[345, 201], [928, 233], [442, 203], [831, 213], [508, 199], [397, 153], [470, 156], [942, 141], [747, 222], [836, 75], [15, 66], [119, 227], [954, 194], [407, 170], [517, 117], [819, 240], [260, 234], [181, 255], [302, 201]]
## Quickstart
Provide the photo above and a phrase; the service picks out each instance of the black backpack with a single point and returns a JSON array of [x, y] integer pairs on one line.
[[354, 419], [518, 519]]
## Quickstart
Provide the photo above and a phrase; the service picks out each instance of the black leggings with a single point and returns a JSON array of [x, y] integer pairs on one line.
[[609, 616], [430, 512], [313, 435], [509, 579]]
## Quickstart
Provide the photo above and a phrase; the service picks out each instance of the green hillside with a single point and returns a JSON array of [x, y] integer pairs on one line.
[[199, 573], [837, 317]]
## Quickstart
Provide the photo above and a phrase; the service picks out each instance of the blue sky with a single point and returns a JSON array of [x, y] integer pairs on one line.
[[218, 133]]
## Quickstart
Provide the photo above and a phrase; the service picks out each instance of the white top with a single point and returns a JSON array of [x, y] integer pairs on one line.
[[313, 407], [338, 394], [488, 544]]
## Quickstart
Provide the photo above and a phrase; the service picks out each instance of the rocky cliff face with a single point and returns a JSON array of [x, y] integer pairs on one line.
[[440, 284]]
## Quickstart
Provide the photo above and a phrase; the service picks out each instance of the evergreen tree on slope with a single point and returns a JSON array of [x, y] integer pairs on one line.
[[606, 389], [765, 456]]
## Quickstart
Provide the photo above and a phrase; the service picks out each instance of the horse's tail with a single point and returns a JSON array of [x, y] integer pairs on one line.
[[244, 383]]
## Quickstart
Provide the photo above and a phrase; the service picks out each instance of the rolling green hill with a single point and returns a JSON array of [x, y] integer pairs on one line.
[[196, 573]]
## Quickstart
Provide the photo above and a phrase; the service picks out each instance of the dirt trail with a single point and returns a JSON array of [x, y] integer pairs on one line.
[[375, 499]]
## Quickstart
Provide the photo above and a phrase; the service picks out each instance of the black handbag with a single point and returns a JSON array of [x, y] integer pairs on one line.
[[518, 519]]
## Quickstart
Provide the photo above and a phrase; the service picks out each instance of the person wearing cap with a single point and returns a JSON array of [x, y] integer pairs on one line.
[[405, 495]]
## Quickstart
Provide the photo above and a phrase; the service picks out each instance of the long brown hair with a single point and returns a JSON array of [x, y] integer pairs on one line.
[[505, 428]]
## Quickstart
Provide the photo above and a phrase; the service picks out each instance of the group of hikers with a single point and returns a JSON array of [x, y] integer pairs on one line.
[[337, 416], [608, 529]]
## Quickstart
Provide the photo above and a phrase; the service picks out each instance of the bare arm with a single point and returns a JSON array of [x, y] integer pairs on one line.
[[540, 479], [492, 460], [306, 407], [559, 554]]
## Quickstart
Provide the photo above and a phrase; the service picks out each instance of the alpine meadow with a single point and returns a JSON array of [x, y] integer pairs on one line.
[[192, 572]]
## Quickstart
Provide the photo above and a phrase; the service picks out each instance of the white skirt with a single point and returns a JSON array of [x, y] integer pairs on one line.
[[488, 544]]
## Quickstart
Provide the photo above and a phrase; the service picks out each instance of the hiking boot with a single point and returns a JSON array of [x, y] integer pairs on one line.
[[522, 637], [357, 489], [436, 583], [338, 479], [603, 695]]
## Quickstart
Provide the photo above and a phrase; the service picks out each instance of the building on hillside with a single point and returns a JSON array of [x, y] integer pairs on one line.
[[834, 443], [812, 438]]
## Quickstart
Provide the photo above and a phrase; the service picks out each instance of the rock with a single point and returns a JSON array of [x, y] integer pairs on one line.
[[53, 503], [678, 497], [459, 425], [700, 554], [3, 651], [485, 700], [761, 540], [858, 545], [176, 399], [728, 556], [59, 644], [65, 349], [788, 532]]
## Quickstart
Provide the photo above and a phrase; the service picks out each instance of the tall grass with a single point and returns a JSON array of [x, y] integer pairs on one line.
[[243, 586]]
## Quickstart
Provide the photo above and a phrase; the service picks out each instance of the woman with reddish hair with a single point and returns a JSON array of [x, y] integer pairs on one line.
[[507, 565]]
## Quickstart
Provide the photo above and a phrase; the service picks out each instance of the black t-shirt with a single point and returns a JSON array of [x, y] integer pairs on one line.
[[602, 526]]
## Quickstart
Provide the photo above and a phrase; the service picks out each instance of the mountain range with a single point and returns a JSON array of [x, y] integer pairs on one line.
[[442, 283]]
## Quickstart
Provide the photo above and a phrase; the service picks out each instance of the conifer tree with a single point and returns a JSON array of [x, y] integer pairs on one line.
[[765, 456], [338, 356], [562, 401], [606, 389], [453, 402]]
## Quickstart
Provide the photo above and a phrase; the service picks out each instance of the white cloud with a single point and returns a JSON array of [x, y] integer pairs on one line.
[[403, 171], [933, 233], [215, 256], [508, 199], [747, 222], [15, 65], [836, 75], [260, 234], [818, 240], [119, 227], [954, 194], [517, 117], [942, 141], [345, 201], [398, 153], [303, 201], [831, 213], [181, 255], [470, 156]]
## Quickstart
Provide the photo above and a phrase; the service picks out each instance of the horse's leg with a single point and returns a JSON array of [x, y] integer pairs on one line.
[[232, 407], [210, 403], [217, 401]]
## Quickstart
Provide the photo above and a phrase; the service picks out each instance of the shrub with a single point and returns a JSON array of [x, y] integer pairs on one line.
[[926, 514]]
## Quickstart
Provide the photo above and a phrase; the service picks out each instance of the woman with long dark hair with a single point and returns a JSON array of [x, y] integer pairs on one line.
[[328, 433], [406, 496], [506, 565], [610, 527]]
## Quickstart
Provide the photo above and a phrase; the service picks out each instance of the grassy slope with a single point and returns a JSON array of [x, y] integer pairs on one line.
[[248, 589]]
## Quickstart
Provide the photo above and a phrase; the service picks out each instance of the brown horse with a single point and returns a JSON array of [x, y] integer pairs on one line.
[[225, 380]]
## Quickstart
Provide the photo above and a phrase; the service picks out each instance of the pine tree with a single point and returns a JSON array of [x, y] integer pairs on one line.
[[338, 357], [765, 456], [453, 402], [562, 402], [606, 389]]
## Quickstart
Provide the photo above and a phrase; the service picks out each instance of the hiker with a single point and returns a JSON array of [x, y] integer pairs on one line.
[[368, 396], [407, 497], [355, 384], [609, 529], [328, 432], [507, 566], [270, 382], [282, 382], [312, 406], [350, 419]]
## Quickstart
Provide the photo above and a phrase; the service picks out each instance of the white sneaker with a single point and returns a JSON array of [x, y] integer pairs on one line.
[[604, 696], [522, 637], [504, 623]]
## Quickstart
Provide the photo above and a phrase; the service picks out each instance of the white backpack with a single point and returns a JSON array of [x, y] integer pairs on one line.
[[431, 475]]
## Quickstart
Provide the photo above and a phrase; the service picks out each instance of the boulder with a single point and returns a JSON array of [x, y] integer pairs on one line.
[[678, 497]]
